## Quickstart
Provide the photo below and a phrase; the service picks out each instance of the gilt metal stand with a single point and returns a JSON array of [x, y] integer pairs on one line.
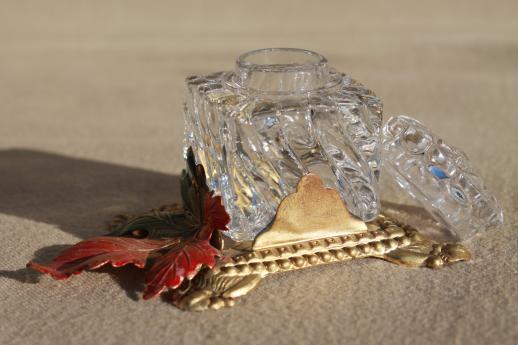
[[292, 243]]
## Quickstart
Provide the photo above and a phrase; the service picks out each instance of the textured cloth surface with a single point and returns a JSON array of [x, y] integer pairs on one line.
[[91, 126]]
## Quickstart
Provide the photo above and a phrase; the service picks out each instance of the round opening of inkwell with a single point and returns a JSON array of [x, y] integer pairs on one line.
[[282, 70]]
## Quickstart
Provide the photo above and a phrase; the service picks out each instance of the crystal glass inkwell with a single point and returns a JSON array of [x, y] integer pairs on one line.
[[280, 114]]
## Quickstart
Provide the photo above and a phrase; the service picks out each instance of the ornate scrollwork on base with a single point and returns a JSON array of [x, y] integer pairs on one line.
[[385, 239]]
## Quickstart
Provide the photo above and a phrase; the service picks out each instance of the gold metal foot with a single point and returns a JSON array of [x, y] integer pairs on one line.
[[423, 252], [216, 288]]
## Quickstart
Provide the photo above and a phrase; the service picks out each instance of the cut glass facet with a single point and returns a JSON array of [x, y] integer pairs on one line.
[[439, 176], [283, 113]]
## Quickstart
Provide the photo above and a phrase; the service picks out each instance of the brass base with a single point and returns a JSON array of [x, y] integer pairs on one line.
[[236, 275]]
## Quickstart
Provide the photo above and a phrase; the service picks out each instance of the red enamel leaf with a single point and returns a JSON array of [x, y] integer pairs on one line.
[[216, 217], [98, 251], [215, 213], [183, 261], [185, 251]]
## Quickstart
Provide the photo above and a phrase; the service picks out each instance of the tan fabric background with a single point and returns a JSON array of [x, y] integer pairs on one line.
[[90, 126]]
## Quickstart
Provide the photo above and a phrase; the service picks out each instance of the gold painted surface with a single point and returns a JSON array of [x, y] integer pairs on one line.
[[386, 239], [312, 212]]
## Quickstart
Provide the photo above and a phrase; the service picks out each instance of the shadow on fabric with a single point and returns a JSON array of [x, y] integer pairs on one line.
[[78, 196]]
